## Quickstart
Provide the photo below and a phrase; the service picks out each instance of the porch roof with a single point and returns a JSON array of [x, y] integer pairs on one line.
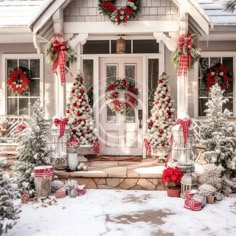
[[215, 11]]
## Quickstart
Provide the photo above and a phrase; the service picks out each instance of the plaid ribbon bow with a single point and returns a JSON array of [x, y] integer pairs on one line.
[[147, 144], [184, 124], [62, 123], [60, 59], [184, 45], [96, 148]]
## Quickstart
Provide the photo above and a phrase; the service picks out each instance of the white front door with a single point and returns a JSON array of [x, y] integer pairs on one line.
[[120, 134]]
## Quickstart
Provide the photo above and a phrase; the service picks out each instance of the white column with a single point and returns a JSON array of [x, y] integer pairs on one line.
[[182, 81]]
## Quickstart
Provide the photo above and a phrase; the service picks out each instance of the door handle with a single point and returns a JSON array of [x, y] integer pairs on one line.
[[140, 117]]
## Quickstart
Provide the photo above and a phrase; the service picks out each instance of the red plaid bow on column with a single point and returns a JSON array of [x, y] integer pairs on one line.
[[184, 45], [184, 124], [62, 123], [60, 59]]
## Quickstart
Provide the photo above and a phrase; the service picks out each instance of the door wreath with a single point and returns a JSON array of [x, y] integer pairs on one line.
[[119, 15], [18, 81], [112, 96], [217, 74]]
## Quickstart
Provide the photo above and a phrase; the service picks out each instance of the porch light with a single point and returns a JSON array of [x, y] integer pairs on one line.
[[120, 45]]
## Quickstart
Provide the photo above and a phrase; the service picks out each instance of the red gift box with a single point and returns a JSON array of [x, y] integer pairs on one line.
[[188, 194], [192, 204]]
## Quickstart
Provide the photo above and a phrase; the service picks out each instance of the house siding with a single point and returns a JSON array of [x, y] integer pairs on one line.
[[27, 48], [153, 10]]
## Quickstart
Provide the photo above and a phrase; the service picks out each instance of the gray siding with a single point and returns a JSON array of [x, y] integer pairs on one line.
[[87, 11]]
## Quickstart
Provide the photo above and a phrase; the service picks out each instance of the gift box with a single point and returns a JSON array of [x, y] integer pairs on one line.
[[200, 198], [81, 189], [60, 193], [192, 204], [188, 194]]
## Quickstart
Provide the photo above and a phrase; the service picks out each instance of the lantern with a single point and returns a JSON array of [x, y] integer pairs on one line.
[[182, 154], [120, 45], [58, 147], [188, 182]]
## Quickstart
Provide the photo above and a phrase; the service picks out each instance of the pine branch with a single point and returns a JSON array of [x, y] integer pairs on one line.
[[230, 6]]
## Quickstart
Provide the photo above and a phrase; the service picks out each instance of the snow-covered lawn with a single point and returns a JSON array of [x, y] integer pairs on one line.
[[121, 213]]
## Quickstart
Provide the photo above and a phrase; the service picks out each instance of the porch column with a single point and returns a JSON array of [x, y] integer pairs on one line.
[[59, 88], [182, 81]]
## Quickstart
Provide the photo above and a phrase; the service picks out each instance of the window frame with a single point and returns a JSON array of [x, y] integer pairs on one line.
[[6, 57], [196, 68]]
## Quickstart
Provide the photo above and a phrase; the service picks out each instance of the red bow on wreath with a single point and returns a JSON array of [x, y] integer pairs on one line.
[[184, 45], [62, 123], [60, 60]]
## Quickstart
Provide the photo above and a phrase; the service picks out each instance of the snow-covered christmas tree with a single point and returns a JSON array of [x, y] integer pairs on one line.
[[32, 149], [217, 135], [9, 213], [79, 114], [162, 115]]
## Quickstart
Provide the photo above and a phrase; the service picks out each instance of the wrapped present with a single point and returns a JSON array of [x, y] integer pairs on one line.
[[192, 204], [200, 198], [60, 193], [24, 197], [188, 194], [81, 189]]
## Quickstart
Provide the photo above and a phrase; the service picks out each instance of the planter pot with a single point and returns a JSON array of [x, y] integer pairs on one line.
[[73, 161], [173, 192], [210, 199]]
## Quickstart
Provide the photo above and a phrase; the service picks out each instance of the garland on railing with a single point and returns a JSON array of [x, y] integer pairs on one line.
[[186, 54], [119, 15]]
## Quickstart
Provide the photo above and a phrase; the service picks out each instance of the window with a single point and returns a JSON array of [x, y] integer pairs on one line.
[[21, 104], [206, 62]]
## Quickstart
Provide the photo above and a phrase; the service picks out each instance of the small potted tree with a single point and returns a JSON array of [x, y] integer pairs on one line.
[[171, 176]]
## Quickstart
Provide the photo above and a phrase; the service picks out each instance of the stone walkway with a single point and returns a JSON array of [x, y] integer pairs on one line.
[[145, 175]]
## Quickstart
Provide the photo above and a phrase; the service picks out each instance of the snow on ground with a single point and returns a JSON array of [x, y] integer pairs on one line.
[[122, 213]]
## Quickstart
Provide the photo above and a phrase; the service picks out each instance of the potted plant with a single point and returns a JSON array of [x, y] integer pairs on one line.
[[171, 176], [72, 145]]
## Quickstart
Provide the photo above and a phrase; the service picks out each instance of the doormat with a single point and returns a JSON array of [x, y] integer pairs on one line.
[[119, 158]]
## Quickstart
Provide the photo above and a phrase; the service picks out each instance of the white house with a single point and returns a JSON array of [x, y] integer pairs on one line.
[[150, 39]]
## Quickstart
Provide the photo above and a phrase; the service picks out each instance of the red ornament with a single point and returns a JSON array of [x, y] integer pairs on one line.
[[160, 81], [81, 91], [78, 113], [161, 131], [79, 97], [160, 107], [163, 96], [72, 91], [67, 111], [150, 123], [157, 117], [156, 126], [74, 104], [163, 144]]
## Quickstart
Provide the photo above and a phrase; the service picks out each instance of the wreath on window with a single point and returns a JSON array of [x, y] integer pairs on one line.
[[19, 80], [114, 99], [217, 74], [119, 15]]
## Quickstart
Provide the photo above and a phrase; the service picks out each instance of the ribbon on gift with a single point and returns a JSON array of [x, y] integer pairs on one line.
[[96, 148], [147, 144], [184, 124], [184, 45], [60, 60], [62, 123]]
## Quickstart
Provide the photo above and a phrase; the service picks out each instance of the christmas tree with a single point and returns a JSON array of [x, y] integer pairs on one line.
[[79, 114], [32, 149], [217, 135], [8, 212], [162, 115]]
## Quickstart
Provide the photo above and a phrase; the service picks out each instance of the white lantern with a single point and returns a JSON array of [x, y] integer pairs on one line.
[[188, 182]]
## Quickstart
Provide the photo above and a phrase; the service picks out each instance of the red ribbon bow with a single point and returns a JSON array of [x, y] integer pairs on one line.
[[60, 60], [62, 123], [96, 148], [184, 124], [185, 44]]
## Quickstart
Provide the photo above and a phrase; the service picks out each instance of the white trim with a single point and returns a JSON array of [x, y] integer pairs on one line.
[[5, 57], [16, 37], [134, 27], [216, 54]]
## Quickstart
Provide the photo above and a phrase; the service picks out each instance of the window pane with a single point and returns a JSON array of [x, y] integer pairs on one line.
[[130, 72], [153, 73], [12, 106], [127, 46], [24, 63], [23, 106], [96, 47], [34, 68], [130, 117], [11, 66], [202, 107], [214, 60], [34, 87], [229, 105], [145, 46], [203, 65], [88, 79]]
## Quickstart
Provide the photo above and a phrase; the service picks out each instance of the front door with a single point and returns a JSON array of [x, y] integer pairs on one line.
[[120, 134]]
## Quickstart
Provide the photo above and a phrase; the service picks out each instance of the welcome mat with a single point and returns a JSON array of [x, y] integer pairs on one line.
[[119, 158]]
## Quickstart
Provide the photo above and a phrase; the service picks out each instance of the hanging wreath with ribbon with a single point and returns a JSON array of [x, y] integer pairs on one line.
[[60, 54], [217, 74], [18, 80], [119, 15], [186, 54], [121, 104]]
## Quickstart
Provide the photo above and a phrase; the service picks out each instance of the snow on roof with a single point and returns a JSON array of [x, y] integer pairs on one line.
[[18, 13], [215, 10]]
